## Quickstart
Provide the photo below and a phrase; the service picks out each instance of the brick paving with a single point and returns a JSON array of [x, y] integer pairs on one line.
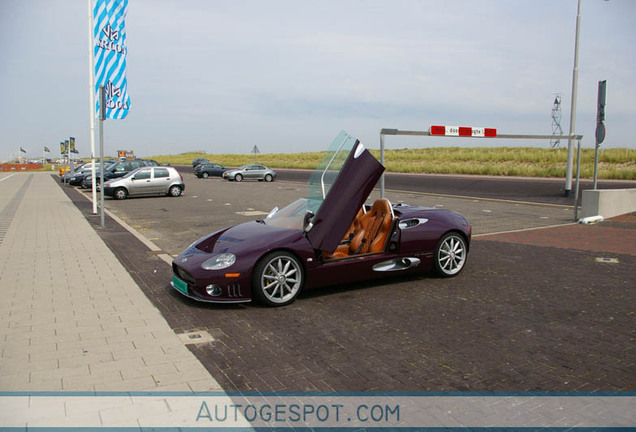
[[524, 320], [71, 317], [531, 312], [616, 236]]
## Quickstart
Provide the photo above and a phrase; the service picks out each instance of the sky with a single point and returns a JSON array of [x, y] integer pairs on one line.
[[289, 75]]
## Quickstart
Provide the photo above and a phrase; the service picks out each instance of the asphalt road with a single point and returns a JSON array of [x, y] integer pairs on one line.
[[212, 203], [538, 190], [532, 311]]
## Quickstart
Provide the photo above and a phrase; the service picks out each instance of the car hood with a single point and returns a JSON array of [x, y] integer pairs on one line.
[[248, 241], [116, 181]]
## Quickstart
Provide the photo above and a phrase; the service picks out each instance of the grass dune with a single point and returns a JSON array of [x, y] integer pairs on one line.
[[614, 163]]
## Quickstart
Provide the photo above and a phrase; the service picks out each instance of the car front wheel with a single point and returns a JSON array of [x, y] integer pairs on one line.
[[238, 178], [277, 279], [174, 191], [120, 193], [450, 255], [205, 175]]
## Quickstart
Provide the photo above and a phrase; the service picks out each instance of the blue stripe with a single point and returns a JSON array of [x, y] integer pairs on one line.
[[110, 61], [330, 394]]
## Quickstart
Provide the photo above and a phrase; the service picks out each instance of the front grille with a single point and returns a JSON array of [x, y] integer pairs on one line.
[[234, 290]]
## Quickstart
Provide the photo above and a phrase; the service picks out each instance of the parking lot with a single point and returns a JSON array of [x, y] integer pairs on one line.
[[533, 310], [211, 204]]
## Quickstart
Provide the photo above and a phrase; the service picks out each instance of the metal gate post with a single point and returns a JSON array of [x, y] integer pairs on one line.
[[578, 176]]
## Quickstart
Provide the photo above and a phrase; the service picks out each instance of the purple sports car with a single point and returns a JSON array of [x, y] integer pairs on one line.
[[328, 238]]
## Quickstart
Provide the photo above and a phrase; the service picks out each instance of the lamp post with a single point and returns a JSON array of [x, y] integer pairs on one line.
[[575, 78]]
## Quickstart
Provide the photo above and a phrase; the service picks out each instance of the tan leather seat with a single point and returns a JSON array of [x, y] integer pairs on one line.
[[368, 232], [375, 227], [343, 249]]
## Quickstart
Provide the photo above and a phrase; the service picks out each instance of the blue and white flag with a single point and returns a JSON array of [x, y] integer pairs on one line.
[[109, 35]]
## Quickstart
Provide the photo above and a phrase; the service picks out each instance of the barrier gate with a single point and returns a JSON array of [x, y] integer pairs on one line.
[[482, 133]]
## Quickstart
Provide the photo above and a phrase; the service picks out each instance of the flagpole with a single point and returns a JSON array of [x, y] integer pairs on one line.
[[91, 102], [102, 117]]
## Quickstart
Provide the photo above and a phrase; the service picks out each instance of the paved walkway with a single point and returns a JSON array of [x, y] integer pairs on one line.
[[71, 317]]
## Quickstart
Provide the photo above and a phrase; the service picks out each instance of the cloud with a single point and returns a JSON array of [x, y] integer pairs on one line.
[[218, 74]]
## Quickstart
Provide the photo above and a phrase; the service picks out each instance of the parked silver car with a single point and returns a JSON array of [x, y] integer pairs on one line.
[[250, 172], [146, 181]]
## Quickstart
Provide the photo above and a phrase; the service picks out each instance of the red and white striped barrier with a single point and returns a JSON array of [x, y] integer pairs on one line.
[[476, 132]]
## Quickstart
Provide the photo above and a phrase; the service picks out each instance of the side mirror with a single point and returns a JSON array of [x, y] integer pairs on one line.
[[307, 224]]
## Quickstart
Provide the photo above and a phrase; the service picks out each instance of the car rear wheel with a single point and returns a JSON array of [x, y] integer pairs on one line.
[[277, 279], [174, 191], [205, 175], [120, 193], [238, 177], [450, 255], [269, 178]]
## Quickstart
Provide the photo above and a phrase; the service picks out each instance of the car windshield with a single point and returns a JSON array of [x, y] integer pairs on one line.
[[88, 167], [294, 215], [131, 173], [107, 167], [291, 216]]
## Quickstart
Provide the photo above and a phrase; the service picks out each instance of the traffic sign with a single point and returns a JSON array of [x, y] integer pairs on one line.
[[602, 92], [460, 131], [600, 133]]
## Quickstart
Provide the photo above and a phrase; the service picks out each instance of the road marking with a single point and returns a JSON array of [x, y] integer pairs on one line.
[[523, 230], [252, 213]]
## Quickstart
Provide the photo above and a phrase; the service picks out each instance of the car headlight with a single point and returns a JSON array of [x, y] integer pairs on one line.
[[219, 262]]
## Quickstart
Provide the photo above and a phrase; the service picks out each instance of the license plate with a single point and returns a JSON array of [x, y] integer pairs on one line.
[[179, 284]]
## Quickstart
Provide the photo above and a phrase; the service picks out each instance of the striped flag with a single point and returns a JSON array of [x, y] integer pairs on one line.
[[109, 34]]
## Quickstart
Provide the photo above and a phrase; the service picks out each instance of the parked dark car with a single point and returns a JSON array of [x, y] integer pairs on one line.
[[79, 175], [206, 170], [250, 172], [116, 170], [199, 161], [328, 238], [146, 181]]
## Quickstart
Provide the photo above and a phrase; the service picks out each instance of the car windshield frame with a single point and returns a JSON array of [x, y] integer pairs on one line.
[[294, 216]]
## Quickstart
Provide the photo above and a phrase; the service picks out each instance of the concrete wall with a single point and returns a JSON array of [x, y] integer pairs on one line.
[[608, 202]]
